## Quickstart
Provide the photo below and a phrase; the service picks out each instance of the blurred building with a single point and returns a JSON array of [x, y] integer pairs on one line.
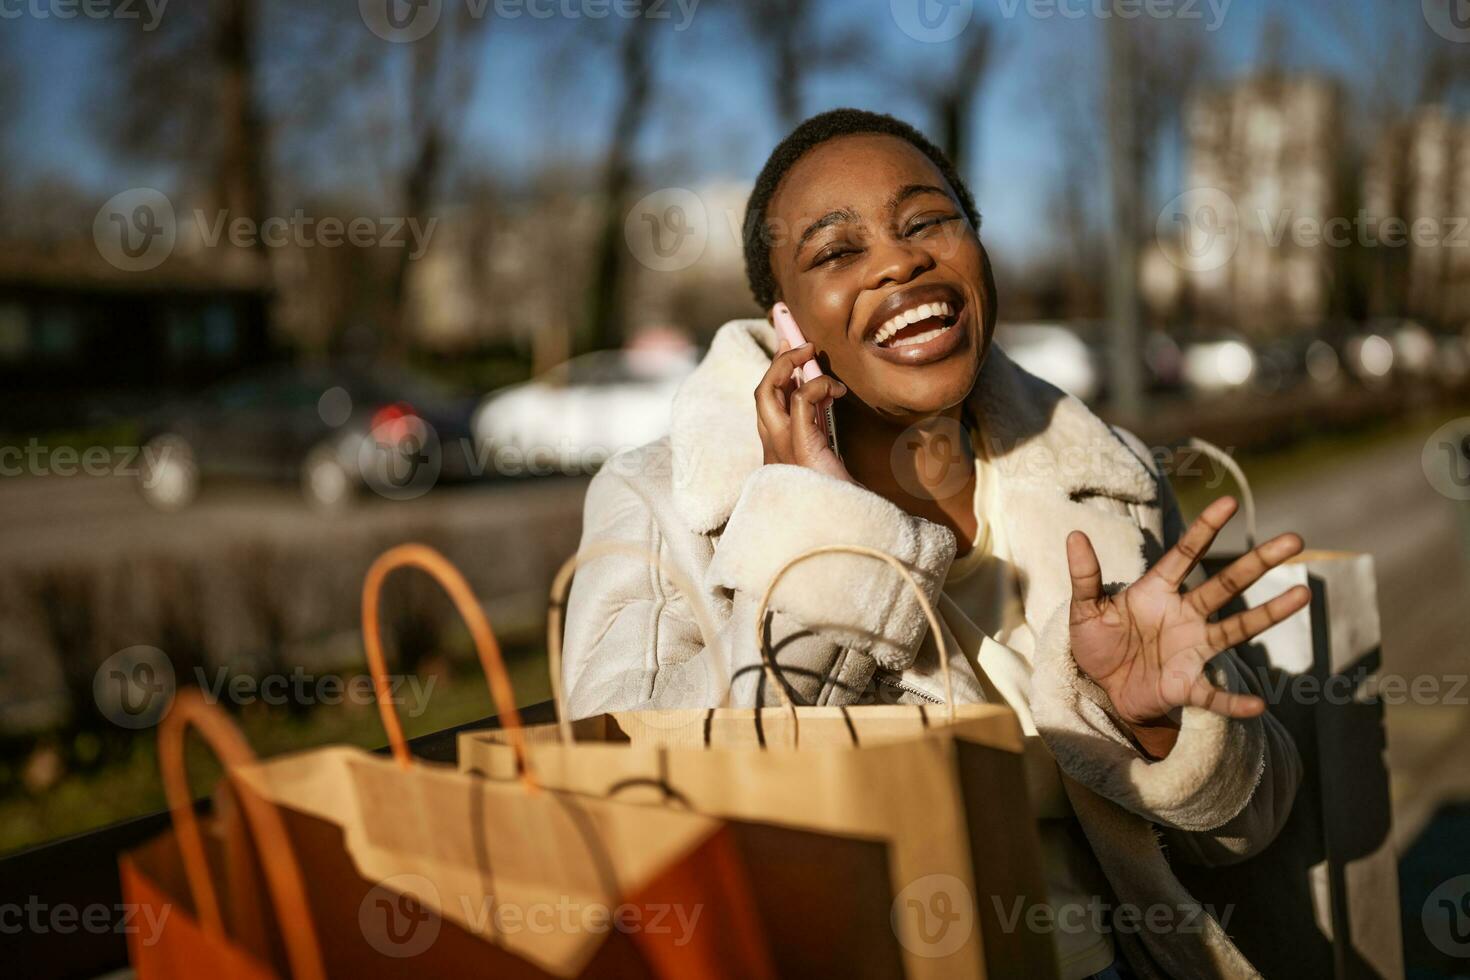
[[82, 342], [1272, 143], [1416, 198], [519, 275]]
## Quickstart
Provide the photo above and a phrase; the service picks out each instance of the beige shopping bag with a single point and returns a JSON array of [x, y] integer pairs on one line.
[[1332, 873], [944, 787], [414, 869]]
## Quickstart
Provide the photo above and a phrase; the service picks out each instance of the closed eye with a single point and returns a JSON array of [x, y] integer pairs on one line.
[[832, 254], [924, 224]]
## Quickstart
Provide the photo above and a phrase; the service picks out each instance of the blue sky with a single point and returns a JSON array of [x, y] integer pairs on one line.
[[714, 120]]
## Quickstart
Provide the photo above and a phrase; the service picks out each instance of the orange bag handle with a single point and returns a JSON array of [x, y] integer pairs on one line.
[[556, 610], [769, 661], [442, 570], [282, 872]]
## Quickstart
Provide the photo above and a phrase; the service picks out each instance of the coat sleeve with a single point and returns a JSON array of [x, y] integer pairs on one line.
[[634, 638], [1223, 792]]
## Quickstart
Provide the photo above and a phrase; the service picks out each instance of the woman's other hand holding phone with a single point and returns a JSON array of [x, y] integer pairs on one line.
[[789, 416]]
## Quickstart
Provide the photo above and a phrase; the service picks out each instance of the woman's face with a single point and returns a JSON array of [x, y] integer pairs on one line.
[[885, 276]]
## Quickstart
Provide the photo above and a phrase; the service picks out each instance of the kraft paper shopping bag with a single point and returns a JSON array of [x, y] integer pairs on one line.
[[944, 788], [172, 879], [413, 869]]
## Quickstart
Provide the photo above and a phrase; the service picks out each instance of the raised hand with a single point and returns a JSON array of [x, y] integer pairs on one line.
[[1147, 645]]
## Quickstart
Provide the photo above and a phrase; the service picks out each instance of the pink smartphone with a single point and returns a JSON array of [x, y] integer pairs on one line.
[[788, 331]]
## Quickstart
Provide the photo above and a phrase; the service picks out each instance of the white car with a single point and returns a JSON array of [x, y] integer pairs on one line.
[[571, 419], [1052, 353], [1215, 366]]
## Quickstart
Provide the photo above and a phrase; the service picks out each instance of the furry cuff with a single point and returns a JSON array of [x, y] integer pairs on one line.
[[1204, 783], [786, 510]]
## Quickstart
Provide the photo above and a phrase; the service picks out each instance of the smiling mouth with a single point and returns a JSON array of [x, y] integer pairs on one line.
[[919, 324]]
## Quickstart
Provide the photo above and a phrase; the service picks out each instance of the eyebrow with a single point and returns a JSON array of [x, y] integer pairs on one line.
[[912, 190], [825, 221], [847, 214]]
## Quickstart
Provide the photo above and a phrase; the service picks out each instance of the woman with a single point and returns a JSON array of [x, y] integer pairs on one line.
[[864, 230]]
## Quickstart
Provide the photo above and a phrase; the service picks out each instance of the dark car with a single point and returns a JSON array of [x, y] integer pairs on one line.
[[335, 430]]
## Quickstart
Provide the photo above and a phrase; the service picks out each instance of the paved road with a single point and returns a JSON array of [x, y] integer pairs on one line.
[[48, 518]]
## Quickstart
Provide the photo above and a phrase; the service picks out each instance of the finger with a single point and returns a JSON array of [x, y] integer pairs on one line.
[[780, 378], [1082, 565], [1244, 572], [808, 437], [816, 391], [1180, 560], [785, 363], [1185, 682], [773, 398], [1242, 626], [1203, 694]]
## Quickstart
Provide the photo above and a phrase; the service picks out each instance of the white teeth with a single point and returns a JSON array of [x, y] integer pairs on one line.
[[922, 338], [900, 320]]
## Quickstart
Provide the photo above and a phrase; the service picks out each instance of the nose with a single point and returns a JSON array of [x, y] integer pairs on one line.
[[896, 261]]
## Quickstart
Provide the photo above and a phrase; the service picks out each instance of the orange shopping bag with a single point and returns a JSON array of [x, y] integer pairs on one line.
[[173, 876], [405, 861]]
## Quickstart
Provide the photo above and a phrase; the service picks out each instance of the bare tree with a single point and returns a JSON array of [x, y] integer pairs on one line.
[[261, 102], [194, 100], [796, 47], [11, 98], [606, 297], [440, 81], [951, 96]]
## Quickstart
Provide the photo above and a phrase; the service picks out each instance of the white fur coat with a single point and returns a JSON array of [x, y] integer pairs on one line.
[[721, 524]]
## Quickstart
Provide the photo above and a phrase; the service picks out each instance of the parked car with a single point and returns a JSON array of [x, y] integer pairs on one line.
[[1219, 365], [1054, 353], [334, 430], [571, 419]]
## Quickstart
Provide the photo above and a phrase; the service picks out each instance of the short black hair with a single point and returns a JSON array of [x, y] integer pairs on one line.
[[807, 135]]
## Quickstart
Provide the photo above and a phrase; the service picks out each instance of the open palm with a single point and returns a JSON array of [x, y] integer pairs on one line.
[[1147, 645]]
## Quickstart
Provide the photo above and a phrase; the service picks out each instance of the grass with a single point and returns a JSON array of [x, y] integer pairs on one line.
[[129, 785]]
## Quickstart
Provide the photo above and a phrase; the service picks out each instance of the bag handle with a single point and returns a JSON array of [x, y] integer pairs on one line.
[[768, 659], [556, 609], [282, 872], [442, 570], [1247, 498]]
